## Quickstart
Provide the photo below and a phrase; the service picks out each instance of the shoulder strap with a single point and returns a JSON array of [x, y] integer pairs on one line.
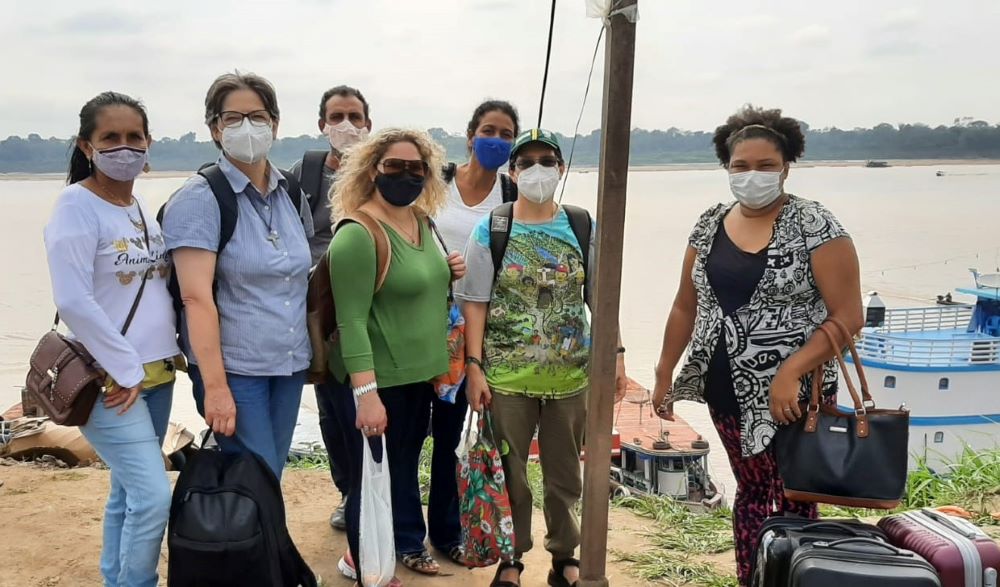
[[145, 273], [501, 222], [444, 250], [311, 174], [383, 248], [579, 221], [294, 190], [508, 189], [226, 198], [448, 172]]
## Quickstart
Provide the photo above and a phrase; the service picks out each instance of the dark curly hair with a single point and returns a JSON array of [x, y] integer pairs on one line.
[[751, 122]]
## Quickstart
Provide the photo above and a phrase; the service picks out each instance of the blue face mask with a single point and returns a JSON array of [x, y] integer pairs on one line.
[[491, 152]]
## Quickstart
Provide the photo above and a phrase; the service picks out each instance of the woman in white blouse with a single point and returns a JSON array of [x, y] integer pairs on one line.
[[106, 255]]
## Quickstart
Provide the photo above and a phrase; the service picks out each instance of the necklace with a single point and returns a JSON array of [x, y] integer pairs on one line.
[[102, 192], [412, 236], [272, 235]]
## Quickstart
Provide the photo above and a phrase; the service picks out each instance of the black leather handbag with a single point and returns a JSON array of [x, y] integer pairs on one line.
[[854, 459]]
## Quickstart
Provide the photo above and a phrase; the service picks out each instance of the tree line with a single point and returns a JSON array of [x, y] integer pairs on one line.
[[964, 139]]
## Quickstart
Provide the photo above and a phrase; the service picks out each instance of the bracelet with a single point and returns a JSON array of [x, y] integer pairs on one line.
[[365, 389], [664, 405], [621, 350], [473, 361]]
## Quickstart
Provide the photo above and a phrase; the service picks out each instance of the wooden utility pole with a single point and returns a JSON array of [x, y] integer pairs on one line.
[[616, 126]]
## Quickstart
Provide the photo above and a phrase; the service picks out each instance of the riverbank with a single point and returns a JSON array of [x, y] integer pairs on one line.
[[51, 520], [805, 164]]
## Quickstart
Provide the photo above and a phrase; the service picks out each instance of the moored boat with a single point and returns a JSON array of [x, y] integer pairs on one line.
[[943, 364]]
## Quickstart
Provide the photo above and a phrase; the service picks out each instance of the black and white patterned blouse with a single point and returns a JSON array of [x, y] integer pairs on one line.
[[782, 315]]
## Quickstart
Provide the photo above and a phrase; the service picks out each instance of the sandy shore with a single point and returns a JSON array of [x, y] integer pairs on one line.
[[51, 531]]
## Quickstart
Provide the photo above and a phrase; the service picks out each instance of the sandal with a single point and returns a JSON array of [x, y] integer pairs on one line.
[[421, 562], [557, 578], [455, 554], [503, 566]]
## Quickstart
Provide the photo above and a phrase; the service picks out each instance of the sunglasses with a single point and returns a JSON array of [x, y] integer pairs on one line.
[[414, 167], [525, 163]]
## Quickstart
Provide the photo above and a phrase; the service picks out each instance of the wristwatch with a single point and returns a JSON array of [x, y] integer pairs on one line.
[[473, 361]]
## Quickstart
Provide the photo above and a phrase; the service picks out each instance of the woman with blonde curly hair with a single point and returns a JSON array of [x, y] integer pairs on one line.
[[392, 325]]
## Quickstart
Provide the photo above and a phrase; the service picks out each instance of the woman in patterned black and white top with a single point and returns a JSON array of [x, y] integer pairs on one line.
[[760, 275]]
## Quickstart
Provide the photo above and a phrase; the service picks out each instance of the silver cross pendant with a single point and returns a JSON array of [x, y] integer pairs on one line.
[[273, 237]]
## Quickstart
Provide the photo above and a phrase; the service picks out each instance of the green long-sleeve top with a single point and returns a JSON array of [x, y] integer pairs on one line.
[[401, 330]]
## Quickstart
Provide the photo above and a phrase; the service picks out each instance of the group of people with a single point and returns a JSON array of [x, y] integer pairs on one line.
[[219, 287]]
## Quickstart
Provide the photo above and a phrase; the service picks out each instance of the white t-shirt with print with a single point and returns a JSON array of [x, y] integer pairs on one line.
[[97, 255], [457, 220]]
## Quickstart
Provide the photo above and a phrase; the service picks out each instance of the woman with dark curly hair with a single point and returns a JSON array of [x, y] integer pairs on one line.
[[760, 275]]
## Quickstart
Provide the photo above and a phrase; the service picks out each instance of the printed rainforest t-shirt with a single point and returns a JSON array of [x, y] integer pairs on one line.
[[537, 340]]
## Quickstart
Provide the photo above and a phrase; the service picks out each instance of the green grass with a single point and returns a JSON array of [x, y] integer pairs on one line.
[[674, 569]]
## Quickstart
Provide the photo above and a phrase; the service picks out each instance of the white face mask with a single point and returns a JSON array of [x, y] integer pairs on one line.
[[344, 135], [247, 143], [538, 183], [756, 189]]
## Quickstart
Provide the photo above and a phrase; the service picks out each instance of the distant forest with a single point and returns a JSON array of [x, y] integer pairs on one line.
[[966, 138]]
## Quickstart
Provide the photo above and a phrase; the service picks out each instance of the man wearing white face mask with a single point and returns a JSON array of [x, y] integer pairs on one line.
[[344, 120], [530, 263]]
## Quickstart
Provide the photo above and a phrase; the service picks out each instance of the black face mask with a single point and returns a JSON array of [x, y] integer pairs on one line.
[[400, 189]]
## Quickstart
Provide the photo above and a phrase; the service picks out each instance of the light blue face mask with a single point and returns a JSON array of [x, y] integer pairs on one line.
[[491, 152], [120, 163]]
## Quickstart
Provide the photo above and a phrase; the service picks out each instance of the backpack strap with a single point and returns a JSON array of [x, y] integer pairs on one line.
[[226, 198], [383, 248], [311, 174], [448, 172], [581, 224], [508, 189], [444, 249], [501, 222], [294, 190]]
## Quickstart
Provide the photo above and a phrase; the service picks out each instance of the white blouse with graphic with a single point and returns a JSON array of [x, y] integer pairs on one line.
[[97, 255]]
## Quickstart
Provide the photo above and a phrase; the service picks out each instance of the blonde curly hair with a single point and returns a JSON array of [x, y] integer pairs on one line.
[[353, 185]]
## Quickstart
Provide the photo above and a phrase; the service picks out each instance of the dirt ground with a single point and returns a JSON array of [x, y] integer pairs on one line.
[[50, 532]]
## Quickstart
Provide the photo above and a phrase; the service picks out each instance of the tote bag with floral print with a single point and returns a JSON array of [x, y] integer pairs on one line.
[[487, 525]]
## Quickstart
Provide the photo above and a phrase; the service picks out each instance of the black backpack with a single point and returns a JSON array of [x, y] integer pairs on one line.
[[502, 220], [229, 211], [311, 177], [227, 526], [508, 189]]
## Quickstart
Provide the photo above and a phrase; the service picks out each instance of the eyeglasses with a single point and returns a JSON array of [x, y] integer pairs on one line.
[[232, 119], [524, 163], [394, 166]]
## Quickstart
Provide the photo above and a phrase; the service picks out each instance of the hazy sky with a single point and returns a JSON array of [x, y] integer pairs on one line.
[[427, 63]]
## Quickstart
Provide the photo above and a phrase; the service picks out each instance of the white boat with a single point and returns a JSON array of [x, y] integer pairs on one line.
[[943, 364]]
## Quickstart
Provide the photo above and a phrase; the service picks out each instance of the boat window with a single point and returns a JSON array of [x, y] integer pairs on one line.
[[890, 382], [943, 384], [938, 437]]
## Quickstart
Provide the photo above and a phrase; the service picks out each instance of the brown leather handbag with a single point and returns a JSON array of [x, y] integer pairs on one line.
[[854, 459], [63, 378]]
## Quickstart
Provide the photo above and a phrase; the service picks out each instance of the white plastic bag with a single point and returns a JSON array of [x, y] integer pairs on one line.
[[470, 434], [377, 549]]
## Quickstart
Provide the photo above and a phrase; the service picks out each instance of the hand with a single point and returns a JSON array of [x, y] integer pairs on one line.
[[476, 389], [371, 420], [663, 398], [122, 396], [457, 265], [785, 398], [621, 380], [220, 411]]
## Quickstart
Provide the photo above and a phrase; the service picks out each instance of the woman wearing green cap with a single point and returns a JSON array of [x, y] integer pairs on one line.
[[528, 345]]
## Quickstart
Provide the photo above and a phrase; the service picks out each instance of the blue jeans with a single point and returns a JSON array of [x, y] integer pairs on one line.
[[267, 409], [443, 527], [407, 408], [139, 501]]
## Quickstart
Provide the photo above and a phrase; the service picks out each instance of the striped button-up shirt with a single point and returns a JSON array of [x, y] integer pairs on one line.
[[261, 285]]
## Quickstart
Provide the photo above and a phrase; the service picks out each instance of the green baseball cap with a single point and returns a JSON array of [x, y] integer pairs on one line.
[[535, 135]]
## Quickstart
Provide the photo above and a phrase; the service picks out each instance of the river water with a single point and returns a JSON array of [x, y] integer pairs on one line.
[[917, 235]]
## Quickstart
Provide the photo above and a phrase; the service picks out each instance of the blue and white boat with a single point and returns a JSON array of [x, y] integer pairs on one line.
[[943, 364]]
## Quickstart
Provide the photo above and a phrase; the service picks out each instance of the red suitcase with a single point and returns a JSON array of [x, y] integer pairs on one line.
[[963, 555]]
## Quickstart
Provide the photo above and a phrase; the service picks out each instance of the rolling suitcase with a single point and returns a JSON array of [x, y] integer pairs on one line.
[[963, 555], [781, 536], [859, 562]]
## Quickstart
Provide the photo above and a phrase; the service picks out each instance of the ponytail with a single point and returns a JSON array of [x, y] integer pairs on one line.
[[79, 166]]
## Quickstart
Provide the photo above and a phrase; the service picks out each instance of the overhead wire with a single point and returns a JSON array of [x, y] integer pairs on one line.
[[583, 107], [548, 59]]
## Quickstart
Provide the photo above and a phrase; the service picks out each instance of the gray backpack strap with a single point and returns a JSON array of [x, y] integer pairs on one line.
[[580, 222], [311, 177]]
